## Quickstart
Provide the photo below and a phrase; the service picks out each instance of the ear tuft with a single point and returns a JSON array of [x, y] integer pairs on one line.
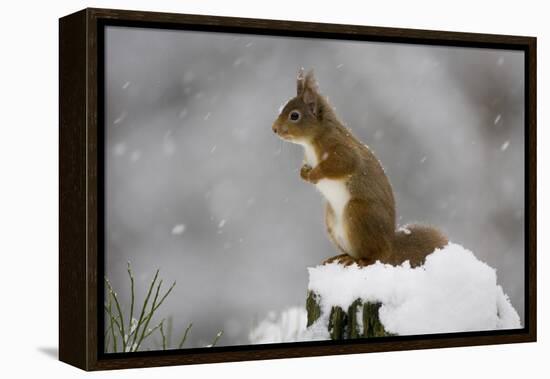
[[311, 82], [309, 93], [300, 82]]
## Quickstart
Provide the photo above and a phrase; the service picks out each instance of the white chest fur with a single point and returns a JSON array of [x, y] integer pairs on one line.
[[335, 192]]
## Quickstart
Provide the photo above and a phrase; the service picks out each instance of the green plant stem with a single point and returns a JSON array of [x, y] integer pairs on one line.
[[112, 321], [145, 302], [121, 317], [138, 331], [218, 336], [169, 330], [131, 275], [185, 336], [151, 331], [163, 335], [149, 316], [114, 318], [155, 305], [164, 297]]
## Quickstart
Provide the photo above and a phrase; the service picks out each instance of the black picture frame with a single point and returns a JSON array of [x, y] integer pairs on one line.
[[81, 198]]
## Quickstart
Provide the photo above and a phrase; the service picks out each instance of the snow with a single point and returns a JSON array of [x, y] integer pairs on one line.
[[133, 325], [120, 118], [168, 145], [452, 292], [183, 113], [505, 146], [136, 154], [379, 134], [507, 315], [188, 77], [119, 149], [283, 105], [497, 119], [405, 230], [288, 326], [178, 229], [221, 224], [237, 62]]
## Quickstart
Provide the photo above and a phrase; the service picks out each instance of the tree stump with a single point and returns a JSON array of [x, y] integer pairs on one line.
[[360, 320]]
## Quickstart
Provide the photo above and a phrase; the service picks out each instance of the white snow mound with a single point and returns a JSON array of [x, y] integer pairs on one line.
[[287, 326], [452, 292]]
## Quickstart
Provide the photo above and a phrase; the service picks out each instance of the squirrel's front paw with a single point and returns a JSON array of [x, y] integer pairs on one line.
[[304, 172]]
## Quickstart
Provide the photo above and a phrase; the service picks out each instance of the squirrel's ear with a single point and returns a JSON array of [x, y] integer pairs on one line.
[[300, 82], [310, 93]]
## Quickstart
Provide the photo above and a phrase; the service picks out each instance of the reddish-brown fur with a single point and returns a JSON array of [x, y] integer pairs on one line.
[[369, 217]]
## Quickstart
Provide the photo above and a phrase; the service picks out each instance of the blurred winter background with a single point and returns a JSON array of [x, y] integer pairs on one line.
[[198, 185]]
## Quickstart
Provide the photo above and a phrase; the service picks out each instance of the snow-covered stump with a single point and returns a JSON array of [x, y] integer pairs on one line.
[[359, 320], [452, 291]]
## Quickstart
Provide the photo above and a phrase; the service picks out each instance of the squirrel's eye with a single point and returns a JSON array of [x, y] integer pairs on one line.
[[294, 116]]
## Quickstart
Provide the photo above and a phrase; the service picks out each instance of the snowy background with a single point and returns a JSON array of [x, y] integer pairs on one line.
[[198, 186]]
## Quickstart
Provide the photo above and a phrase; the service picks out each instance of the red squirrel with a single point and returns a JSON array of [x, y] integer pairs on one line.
[[360, 206]]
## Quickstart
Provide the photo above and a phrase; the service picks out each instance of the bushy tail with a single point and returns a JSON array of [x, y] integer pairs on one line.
[[414, 242]]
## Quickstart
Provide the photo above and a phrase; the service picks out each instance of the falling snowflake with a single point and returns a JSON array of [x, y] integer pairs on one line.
[[119, 149], [134, 157], [178, 229], [120, 118]]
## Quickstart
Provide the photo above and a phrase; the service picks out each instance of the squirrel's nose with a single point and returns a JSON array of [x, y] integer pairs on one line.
[[274, 127]]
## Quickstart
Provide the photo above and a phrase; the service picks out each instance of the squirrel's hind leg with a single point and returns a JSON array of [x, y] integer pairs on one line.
[[343, 258], [370, 231], [329, 223]]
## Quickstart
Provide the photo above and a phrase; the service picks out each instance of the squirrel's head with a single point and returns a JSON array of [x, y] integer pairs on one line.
[[301, 118]]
